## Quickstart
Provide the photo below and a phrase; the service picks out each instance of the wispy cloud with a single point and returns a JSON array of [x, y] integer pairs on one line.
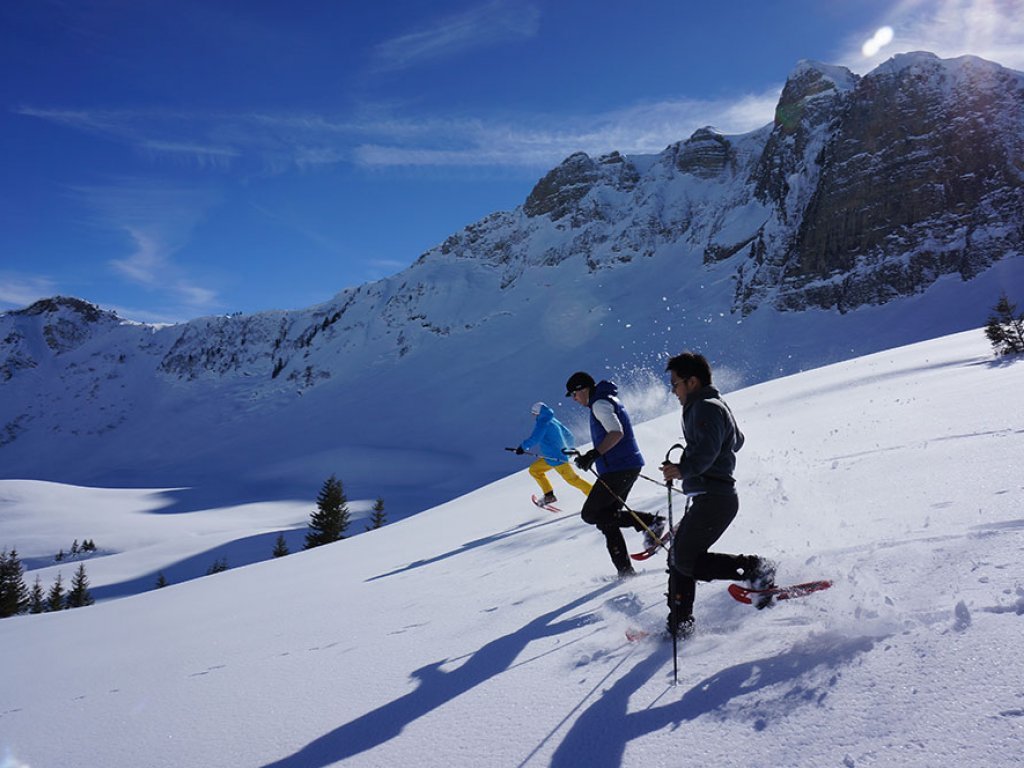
[[289, 221], [991, 29], [18, 289], [268, 143], [156, 133], [158, 222], [488, 24], [382, 267], [526, 142]]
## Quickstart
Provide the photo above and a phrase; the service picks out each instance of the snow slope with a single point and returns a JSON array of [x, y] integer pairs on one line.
[[485, 632]]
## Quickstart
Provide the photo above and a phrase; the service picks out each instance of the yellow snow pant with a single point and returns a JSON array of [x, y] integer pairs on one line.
[[540, 467]]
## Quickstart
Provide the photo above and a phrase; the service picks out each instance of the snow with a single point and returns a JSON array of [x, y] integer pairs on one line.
[[971, 72], [841, 77], [486, 632]]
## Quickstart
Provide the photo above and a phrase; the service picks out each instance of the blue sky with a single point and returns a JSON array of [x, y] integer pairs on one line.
[[176, 158]]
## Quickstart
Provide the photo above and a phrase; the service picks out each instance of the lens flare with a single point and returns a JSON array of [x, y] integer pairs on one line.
[[9, 761], [878, 41]]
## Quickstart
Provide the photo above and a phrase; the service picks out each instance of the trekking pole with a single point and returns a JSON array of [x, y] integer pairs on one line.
[[671, 527], [661, 482], [668, 484], [625, 506], [675, 639], [524, 453]]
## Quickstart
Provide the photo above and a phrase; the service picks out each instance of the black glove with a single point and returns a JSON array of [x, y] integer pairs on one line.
[[520, 451], [586, 461]]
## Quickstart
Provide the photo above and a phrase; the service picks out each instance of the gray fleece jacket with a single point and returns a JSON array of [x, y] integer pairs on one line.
[[712, 439]]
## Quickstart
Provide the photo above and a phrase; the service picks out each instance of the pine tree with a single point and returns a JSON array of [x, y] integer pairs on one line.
[[280, 546], [36, 598], [331, 518], [13, 592], [79, 596], [219, 565], [379, 519], [55, 597], [161, 580], [1005, 329]]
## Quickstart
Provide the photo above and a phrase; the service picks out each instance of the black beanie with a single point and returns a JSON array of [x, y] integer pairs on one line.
[[578, 381]]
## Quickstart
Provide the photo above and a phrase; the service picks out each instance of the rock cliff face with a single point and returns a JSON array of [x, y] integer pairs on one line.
[[559, 193], [707, 154], [921, 178], [864, 189], [806, 118]]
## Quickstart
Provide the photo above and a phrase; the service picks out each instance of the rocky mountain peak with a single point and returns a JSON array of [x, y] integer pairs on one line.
[[76, 307], [808, 83], [561, 189], [63, 322], [913, 62], [48, 327], [805, 116], [706, 154]]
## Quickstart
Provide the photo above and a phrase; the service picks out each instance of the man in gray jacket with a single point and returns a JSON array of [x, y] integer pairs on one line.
[[706, 469]]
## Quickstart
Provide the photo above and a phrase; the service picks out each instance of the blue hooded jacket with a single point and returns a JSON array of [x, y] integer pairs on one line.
[[550, 436], [626, 453]]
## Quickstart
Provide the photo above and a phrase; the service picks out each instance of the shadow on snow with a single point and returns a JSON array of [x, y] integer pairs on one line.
[[435, 688], [234, 554], [481, 542], [598, 738]]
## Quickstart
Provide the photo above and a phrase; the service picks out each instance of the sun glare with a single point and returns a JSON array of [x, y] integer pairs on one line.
[[878, 41]]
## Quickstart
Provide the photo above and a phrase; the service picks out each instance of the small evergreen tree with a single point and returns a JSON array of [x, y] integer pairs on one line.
[[161, 580], [379, 519], [1005, 328], [13, 592], [79, 596], [37, 598], [280, 546], [331, 518], [55, 597], [218, 566]]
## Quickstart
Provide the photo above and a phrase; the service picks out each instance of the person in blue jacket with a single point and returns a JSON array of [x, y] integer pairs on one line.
[[618, 463], [552, 439]]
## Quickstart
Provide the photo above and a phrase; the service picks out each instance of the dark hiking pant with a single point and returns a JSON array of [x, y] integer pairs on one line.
[[603, 508], [703, 524]]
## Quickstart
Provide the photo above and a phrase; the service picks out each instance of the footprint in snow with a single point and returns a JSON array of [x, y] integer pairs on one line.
[[208, 670]]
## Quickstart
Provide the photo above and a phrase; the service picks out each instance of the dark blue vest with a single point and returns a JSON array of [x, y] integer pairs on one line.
[[626, 453]]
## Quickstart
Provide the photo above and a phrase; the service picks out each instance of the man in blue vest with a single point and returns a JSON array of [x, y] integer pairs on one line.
[[618, 463]]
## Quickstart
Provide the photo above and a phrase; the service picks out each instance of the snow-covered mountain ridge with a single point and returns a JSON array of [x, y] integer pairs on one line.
[[875, 211], [863, 190]]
